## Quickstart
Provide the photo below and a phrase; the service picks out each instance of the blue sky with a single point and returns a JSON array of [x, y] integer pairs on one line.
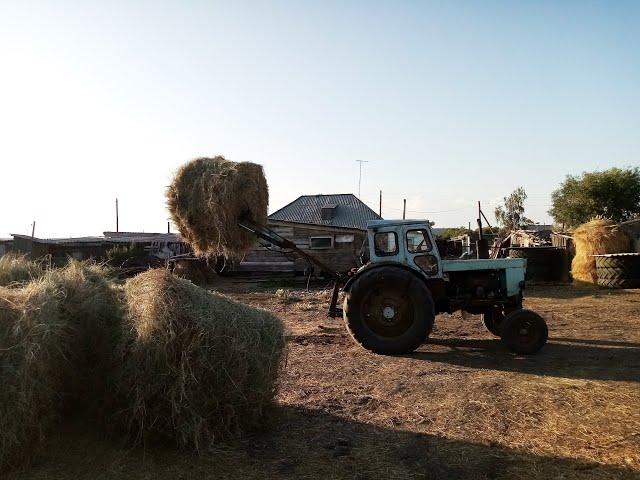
[[449, 102]]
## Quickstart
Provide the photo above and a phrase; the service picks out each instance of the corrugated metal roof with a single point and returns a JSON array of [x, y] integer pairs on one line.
[[350, 212]]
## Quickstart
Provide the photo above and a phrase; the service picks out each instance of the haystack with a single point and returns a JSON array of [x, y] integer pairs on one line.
[[209, 196], [597, 237], [35, 344], [197, 367], [18, 269]]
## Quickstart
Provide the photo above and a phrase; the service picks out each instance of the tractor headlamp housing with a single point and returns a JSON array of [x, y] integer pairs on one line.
[[427, 263]]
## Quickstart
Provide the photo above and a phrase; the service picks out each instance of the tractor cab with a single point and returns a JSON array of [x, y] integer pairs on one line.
[[405, 242]]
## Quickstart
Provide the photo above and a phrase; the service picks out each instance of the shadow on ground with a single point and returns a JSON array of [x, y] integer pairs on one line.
[[560, 357], [304, 444]]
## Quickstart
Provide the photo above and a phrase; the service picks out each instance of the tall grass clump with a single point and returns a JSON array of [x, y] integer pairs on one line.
[[16, 268], [196, 367]]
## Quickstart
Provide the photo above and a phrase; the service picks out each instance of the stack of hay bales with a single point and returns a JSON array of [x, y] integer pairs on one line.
[[207, 199], [196, 367], [159, 357], [596, 237]]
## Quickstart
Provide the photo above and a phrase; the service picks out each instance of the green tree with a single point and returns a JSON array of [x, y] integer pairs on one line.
[[453, 232], [510, 214], [612, 193]]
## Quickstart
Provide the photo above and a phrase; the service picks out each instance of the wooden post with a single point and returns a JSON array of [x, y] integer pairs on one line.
[[404, 208], [380, 210], [168, 227], [33, 230], [117, 219]]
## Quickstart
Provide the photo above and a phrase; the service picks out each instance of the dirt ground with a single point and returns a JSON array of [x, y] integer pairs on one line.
[[460, 407]]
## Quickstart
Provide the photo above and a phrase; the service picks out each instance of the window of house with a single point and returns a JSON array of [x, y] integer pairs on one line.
[[386, 243], [418, 241], [318, 243]]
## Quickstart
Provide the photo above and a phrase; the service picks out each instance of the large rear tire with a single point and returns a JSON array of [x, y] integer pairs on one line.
[[389, 311]]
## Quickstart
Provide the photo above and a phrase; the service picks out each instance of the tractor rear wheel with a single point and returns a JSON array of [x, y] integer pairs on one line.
[[388, 310], [524, 332]]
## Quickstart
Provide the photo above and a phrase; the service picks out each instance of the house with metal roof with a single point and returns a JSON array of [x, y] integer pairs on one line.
[[332, 227]]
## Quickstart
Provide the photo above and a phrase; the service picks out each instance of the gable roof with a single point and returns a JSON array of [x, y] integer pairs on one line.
[[348, 211]]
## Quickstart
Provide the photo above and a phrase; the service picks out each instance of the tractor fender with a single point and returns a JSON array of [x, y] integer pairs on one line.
[[372, 266]]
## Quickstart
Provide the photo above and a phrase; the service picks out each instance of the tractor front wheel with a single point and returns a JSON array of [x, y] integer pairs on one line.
[[388, 310], [524, 332]]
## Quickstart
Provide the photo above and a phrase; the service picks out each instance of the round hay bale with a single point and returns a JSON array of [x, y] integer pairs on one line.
[[597, 237], [209, 196], [196, 367], [34, 359]]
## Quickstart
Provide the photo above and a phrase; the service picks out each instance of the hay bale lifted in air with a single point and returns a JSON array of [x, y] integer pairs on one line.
[[596, 237], [209, 196], [197, 367], [18, 269]]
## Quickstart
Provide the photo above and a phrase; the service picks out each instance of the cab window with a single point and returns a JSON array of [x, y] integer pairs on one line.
[[386, 243], [418, 241]]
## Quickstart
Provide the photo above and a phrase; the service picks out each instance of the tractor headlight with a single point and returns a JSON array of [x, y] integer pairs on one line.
[[427, 263]]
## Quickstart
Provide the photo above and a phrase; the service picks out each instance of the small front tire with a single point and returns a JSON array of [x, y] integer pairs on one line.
[[524, 332]]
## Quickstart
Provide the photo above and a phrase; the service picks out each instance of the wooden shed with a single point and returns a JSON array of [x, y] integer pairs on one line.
[[330, 227]]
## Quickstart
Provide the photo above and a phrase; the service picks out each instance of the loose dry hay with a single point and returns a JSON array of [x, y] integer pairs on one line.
[[57, 340], [18, 269], [597, 237], [196, 367], [209, 196]]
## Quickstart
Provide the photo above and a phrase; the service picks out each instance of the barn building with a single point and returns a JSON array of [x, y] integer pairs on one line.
[[329, 227]]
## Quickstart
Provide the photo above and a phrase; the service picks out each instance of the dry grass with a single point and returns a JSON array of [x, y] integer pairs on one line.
[[196, 367], [597, 237], [460, 408], [209, 196], [18, 269]]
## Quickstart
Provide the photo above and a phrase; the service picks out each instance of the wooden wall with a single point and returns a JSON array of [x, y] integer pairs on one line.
[[341, 257]]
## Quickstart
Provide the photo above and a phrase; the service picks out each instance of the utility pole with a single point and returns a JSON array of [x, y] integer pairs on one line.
[[360, 177], [168, 227], [117, 219], [33, 230], [380, 210], [404, 208]]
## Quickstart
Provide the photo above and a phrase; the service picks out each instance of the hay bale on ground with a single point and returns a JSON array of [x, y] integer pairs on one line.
[[597, 237], [34, 358], [197, 367], [209, 196], [57, 343], [18, 269], [90, 304]]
